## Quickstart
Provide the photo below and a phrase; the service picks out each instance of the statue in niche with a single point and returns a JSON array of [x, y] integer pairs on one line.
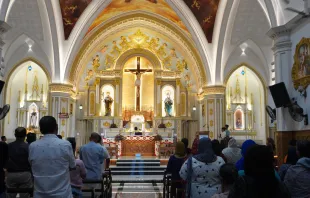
[[168, 105], [108, 100], [96, 62], [33, 118]]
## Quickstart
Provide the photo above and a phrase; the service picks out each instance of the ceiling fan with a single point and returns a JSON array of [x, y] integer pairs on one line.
[[305, 13]]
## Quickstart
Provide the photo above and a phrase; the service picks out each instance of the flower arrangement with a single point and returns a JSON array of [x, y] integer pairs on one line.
[[158, 137], [119, 137]]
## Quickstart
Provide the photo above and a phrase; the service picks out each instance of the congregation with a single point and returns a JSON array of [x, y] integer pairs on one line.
[[51, 167]]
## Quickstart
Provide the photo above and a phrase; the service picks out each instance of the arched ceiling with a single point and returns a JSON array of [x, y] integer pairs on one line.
[[236, 22]]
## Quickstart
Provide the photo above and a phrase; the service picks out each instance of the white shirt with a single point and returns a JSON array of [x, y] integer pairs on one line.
[[50, 159]]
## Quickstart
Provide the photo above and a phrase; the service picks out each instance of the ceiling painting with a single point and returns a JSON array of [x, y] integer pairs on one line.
[[205, 13], [172, 59], [117, 7], [71, 11]]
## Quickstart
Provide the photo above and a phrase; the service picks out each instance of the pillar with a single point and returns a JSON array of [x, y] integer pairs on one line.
[[282, 49], [214, 104], [62, 101]]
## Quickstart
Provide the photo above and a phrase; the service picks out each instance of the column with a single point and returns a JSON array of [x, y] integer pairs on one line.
[[117, 110], [283, 59], [61, 100], [158, 98], [214, 101], [178, 96]]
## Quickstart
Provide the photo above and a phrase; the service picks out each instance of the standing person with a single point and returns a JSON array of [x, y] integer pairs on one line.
[[245, 146], [291, 160], [174, 166], [202, 171], [106, 156], [92, 156], [297, 178], [271, 144], [3, 160], [195, 144], [77, 175], [232, 153], [259, 180], [31, 137], [229, 175], [51, 160], [227, 132], [185, 142], [18, 167], [3, 139]]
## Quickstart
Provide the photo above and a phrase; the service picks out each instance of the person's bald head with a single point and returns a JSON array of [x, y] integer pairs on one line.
[[95, 137]]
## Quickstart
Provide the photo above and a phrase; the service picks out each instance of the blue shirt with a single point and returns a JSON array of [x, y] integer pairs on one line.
[[227, 133], [92, 155], [50, 159]]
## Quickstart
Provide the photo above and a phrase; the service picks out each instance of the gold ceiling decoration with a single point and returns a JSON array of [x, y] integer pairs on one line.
[[94, 41]]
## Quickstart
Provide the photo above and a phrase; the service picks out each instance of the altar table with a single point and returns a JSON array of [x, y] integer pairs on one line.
[[131, 145]]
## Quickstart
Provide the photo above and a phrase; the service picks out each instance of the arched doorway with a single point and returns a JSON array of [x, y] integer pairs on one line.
[[27, 93], [245, 104]]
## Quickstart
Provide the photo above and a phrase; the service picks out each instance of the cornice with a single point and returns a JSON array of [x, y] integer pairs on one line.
[[212, 90], [61, 88]]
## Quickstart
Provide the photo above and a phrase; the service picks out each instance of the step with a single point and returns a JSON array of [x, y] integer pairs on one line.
[[138, 160], [140, 168], [137, 179], [138, 172], [137, 163]]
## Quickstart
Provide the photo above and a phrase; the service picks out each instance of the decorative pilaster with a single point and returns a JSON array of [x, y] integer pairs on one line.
[[117, 98], [4, 27], [178, 96], [158, 98], [63, 102], [214, 104]]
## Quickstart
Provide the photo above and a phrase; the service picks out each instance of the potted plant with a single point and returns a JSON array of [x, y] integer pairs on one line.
[[158, 137], [119, 137]]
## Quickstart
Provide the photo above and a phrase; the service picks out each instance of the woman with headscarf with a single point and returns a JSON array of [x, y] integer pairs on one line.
[[232, 153], [174, 166], [247, 144], [292, 159], [202, 171], [259, 180]]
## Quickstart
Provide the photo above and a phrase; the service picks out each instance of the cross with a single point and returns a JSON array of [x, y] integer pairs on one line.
[[138, 72]]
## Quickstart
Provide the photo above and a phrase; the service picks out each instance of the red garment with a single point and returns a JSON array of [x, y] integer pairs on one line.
[[195, 146]]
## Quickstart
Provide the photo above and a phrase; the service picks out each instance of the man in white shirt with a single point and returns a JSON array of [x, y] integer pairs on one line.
[[51, 160]]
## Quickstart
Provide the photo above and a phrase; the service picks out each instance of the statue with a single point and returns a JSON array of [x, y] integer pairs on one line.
[[108, 100], [168, 105], [33, 119], [96, 62]]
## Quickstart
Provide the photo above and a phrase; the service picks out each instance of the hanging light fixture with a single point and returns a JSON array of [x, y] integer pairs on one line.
[[81, 107], [194, 108]]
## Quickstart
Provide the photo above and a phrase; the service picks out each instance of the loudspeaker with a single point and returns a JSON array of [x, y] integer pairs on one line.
[[280, 95], [1, 85]]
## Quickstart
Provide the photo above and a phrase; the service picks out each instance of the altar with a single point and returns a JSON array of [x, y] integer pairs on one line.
[[132, 145]]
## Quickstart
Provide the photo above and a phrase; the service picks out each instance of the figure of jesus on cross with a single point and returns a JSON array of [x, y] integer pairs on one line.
[[138, 72]]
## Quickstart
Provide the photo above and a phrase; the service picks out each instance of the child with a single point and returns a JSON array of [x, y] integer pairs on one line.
[[229, 174], [77, 175]]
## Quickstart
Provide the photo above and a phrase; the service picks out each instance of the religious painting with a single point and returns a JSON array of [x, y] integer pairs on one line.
[[117, 7], [205, 12], [238, 118], [301, 68], [71, 11]]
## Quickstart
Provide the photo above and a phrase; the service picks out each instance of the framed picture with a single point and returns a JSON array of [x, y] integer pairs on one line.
[[301, 67]]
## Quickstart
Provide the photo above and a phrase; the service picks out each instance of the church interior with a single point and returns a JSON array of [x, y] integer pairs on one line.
[[146, 73]]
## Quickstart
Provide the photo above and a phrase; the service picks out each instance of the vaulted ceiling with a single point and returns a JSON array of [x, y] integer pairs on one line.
[[219, 29]]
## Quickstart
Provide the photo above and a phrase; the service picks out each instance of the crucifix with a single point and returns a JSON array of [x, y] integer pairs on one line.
[[138, 72]]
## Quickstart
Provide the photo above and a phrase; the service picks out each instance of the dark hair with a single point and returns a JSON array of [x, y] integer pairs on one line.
[[271, 143], [292, 142], [59, 136], [3, 138], [31, 137], [185, 142], [229, 173], [259, 165], [136, 128], [48, 124], [227, 126], [95, 137], [303, 147], [20, 132], [217, 148], [73, 143], [292, 157]]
